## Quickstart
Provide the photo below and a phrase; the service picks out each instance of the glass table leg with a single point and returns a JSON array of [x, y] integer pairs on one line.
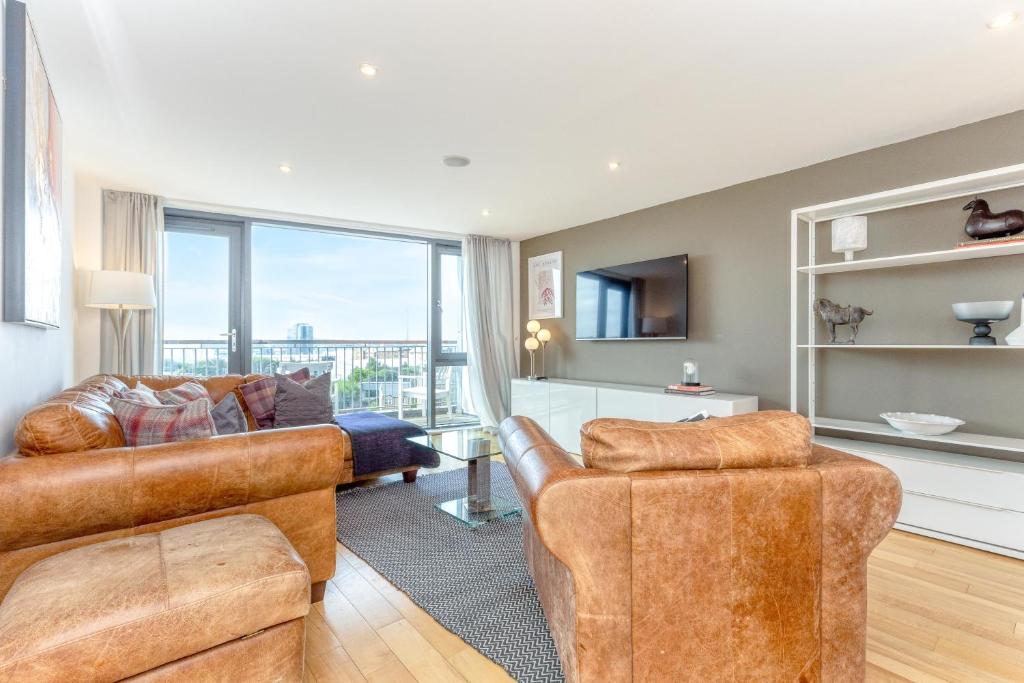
[[478, 475], [479, 506]]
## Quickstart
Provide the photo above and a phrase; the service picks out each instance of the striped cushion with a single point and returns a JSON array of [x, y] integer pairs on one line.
[[259, 396], [144, 424], [140, 394], [183, 393]]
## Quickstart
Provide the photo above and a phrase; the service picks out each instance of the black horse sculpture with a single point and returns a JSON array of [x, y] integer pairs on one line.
[[983, 224]]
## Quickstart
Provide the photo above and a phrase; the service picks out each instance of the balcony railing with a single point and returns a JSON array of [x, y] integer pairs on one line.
[[366, 375]]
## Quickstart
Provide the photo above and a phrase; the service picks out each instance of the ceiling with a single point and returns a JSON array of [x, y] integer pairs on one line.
[[205, 99]]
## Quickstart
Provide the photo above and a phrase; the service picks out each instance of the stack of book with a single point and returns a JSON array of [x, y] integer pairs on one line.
[[1009, 239], [687, 390]]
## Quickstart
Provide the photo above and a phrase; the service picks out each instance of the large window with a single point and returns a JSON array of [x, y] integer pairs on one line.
[[383, 315]]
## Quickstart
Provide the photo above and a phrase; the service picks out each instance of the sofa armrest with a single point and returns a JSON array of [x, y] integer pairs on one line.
[[57, 497], [581, 519], [860, 500]]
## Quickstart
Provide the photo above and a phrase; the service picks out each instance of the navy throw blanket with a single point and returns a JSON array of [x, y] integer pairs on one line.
[[379, 443]]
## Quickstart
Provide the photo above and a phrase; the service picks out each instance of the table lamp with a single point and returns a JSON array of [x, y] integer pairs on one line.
[[121, 293], [849, 234], [531, 345], [543, 336]]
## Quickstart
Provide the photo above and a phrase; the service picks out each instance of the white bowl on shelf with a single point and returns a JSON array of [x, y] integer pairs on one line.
[[922, 424], [988, 311]]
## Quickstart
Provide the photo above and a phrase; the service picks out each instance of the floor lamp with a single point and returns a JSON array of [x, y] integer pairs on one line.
[[121, 293]]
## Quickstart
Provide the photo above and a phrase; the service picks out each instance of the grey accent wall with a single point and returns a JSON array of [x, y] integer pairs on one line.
[[738, 242]]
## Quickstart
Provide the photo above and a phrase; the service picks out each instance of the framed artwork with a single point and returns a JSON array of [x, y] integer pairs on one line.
[[32, 180], [545, 286]]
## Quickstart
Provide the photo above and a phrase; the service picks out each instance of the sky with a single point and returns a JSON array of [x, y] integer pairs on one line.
[[346, 286]]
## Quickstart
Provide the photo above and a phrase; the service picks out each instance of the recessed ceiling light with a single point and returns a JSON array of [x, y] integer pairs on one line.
[[285, 168], [613, 165], [455, 161], [485, 213], [368, 70], [1003, 20]]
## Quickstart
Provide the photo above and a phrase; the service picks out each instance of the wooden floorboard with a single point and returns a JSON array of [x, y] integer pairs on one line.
[[937, 612]]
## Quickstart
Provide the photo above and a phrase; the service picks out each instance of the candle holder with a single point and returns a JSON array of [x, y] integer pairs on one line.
[[691, 373]]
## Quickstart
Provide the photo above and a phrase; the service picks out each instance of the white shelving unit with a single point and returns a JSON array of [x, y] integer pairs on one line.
[[861, 347], [939, 500], [992, 443], [901, 261]]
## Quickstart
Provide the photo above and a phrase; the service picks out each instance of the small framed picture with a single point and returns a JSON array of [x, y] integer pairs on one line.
[[545, 286]]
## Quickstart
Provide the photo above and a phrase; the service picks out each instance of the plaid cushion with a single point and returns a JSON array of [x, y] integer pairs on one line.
[[144, 424], [140, 394], [183, 393], [259, 396]]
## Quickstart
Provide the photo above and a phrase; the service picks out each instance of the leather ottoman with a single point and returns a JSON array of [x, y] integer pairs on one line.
[[221, 599]]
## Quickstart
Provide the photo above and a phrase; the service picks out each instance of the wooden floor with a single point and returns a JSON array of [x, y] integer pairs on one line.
[[936, 612]]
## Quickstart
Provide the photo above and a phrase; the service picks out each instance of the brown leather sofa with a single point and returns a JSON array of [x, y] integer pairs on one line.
[[731, 549], [74, 482]]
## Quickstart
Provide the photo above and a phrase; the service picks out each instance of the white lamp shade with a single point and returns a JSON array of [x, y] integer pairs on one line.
[[532, 327], [531, 344], [120, 289], [849, 234], [544, 336]]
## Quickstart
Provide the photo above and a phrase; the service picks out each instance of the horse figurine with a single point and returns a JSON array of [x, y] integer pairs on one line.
[[833, 314], [983, 224]]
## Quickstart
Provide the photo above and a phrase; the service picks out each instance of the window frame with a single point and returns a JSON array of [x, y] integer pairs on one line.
[[241, 282]]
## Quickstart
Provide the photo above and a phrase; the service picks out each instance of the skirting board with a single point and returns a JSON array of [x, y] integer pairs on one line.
[[960, 540]]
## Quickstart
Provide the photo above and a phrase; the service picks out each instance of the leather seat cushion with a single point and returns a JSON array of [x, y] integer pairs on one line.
[[114, 609], [772, 438]]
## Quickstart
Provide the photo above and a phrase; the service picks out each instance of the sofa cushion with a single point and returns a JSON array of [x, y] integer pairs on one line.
[[258, 396], [141, 394], [307, 403], [144, 424], [228, 416], [773, 438], [114, 609], [74, 420], [183, 393]]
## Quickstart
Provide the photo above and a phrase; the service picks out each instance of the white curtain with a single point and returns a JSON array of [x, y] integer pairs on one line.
[[490, 333], [133, 236]]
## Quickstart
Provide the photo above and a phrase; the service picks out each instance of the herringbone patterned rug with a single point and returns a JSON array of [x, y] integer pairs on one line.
[[472, 581]]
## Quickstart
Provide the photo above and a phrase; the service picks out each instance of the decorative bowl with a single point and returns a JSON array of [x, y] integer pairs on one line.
[[982, 311], [922, 424]]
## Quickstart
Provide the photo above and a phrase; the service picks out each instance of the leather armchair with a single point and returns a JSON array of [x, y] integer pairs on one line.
[[725, 550]]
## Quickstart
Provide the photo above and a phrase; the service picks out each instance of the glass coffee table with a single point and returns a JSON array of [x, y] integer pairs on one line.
[[475, 449]]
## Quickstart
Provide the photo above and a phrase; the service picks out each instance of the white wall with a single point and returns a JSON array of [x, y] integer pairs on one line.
[[88, 253], [36, 363]]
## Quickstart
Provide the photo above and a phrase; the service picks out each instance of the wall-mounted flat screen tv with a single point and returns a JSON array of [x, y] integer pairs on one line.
[[644, 300]]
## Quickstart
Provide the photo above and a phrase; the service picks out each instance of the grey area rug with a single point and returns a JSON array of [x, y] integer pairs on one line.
[[472, 581]]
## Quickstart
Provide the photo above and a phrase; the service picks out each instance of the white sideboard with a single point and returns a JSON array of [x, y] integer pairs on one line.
[[561, 406], [963, 499]]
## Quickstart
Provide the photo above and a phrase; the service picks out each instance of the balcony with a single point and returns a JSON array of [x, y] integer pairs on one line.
[[386, 377]]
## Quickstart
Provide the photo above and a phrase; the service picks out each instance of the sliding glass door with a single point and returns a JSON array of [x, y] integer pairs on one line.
[[202, 314], [447, 336], [382, 314]]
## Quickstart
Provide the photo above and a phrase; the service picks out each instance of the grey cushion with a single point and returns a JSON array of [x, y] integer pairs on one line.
[[303, 403], [228, 416]]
